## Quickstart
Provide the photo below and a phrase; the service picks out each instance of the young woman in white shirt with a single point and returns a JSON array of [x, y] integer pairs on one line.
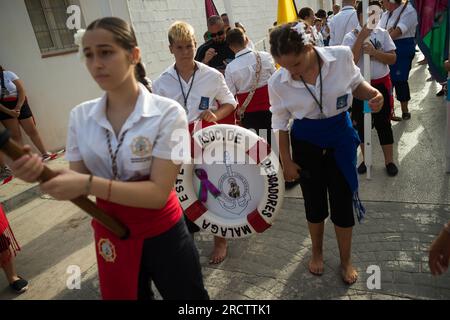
[[381, 49], [120, 150], [315, 87], [200, 89]]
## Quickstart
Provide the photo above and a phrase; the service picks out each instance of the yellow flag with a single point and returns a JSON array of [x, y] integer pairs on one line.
[[286, 12]]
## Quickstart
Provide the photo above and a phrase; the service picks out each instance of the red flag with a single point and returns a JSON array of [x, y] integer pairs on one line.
[[211, 9]]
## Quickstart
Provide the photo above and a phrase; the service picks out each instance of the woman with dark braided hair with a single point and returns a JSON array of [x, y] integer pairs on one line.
[[315, 87], [120, 148]]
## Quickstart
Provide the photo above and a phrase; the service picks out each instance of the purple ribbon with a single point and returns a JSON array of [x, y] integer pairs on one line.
[[205, 185]]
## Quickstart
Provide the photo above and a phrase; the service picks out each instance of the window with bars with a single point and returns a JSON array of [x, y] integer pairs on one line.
[[48, 18]]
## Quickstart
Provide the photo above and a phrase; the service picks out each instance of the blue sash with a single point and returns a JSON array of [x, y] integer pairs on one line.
[[405, 54], [335, 133]]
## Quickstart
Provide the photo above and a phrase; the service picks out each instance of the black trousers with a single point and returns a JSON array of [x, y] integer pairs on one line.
[[259, 121], [402, 92], [171, 261], [380, 120], [322, 179]]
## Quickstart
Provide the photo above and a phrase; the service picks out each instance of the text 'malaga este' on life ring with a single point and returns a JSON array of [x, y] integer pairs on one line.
[[234, 187]]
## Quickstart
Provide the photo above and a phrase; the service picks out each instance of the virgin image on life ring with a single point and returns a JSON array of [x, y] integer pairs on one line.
[[231, 189]]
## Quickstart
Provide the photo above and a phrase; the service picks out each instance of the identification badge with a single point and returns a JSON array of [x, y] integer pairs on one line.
[[342, 102], [204, 104], [322, 116]]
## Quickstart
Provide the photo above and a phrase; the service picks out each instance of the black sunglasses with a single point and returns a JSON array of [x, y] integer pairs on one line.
[[218, 34]]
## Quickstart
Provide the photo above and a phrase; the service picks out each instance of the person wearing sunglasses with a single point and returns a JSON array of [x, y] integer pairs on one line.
[[215, 52]]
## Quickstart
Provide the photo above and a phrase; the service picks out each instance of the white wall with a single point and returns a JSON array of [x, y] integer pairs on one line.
[[54, 85], [152, 18]]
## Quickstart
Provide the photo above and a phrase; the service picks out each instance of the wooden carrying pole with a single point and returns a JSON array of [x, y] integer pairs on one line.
[[14, 151]]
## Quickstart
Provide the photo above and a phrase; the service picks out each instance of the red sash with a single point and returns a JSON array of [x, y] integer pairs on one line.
[[7, 239], [259, 102], [119, 261], [9, 99], [386, 82]]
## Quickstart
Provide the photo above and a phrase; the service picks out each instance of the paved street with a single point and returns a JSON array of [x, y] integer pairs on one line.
[[405, 213]]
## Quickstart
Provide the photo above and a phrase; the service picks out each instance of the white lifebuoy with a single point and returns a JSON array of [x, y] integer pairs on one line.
[[254, 199]]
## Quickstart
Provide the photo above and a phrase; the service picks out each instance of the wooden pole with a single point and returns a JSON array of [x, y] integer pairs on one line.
[[14, 151]]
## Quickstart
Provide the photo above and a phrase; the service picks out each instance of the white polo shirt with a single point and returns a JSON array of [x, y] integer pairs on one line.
[[208, 89], [9, 84], [153, 129], [381, 40], [341, 24], [290, 99], [240, 73], [407, 23]]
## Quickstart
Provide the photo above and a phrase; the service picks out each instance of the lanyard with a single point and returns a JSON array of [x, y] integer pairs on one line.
[[319, 103], [387, 20], [186, 97], [114, 155]]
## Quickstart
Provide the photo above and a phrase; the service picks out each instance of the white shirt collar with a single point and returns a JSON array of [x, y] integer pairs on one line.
[[171, 70], [348, 8], [143, 108], [326, 56], [242, 52]]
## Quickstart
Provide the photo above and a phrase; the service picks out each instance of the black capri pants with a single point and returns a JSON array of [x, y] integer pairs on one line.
[[259, 121], [171, 261], [380, 120], [321, 178], [25, 111], [402, 92]]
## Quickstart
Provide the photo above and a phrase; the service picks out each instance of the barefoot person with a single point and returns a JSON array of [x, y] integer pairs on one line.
[[199, 89], [315, 87], [120, 151]]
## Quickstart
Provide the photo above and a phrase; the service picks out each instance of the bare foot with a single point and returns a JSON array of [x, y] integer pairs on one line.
[[349, 274], [220, 251], [316, 265]]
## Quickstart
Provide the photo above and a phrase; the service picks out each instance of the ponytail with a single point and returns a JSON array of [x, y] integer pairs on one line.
[[141, 76]]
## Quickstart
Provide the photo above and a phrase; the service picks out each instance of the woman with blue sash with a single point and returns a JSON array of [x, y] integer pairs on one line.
[[400, 19], [315, 88]]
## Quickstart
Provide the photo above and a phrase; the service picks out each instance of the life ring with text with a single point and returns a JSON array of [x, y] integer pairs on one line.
[[234, 185]]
